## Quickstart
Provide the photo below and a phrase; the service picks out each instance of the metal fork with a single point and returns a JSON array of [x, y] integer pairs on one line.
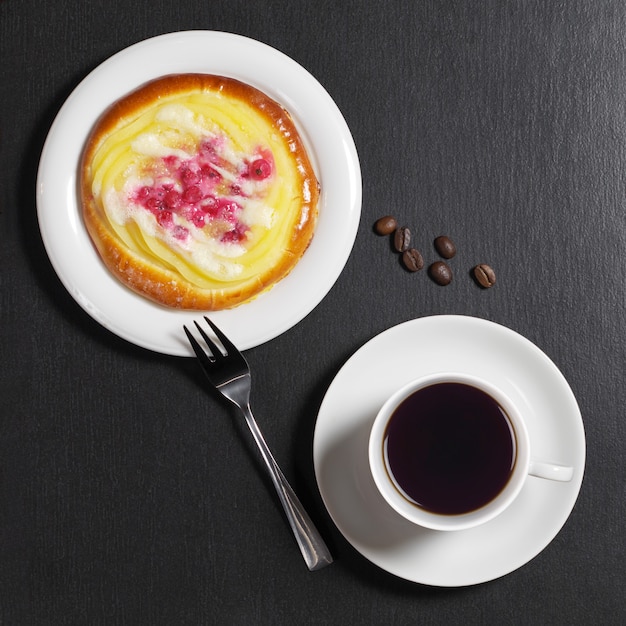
[[230, 374]]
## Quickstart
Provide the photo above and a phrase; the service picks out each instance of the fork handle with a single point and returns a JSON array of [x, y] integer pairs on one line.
[[310, 542]]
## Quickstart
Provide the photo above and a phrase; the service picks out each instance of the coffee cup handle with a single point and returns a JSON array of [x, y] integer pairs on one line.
[[551, 471]]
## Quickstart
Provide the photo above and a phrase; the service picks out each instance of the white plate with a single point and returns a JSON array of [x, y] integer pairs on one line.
[[323, 128], [410, 350]]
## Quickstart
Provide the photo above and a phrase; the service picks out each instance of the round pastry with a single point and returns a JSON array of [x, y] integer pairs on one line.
[[198, 192]]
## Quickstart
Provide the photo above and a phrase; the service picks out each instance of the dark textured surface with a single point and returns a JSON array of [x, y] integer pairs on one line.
[[129, 496]]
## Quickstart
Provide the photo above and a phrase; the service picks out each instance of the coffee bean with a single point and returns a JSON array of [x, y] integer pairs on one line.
[[412, 260], [402, 239], [445, 247], [484, 275], [441, 273], [386, 225]]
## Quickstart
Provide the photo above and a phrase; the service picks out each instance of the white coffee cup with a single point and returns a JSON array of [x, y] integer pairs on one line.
[[522, 462]]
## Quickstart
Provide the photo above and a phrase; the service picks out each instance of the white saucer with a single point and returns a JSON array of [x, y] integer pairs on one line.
[[330, 145], [387, 362]]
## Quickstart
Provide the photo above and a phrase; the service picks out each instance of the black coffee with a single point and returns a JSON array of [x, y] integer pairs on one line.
[[450, 448]]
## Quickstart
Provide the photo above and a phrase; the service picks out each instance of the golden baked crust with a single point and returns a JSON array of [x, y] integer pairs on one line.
[[198, 192]]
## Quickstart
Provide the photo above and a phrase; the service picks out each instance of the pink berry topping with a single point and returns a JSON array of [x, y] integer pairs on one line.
[[260, 169], [195, 190]]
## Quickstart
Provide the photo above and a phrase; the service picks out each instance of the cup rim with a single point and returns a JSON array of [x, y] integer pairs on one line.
[[413, 512]]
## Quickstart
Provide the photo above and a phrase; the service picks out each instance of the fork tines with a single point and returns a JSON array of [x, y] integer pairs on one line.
[[217, 353]]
